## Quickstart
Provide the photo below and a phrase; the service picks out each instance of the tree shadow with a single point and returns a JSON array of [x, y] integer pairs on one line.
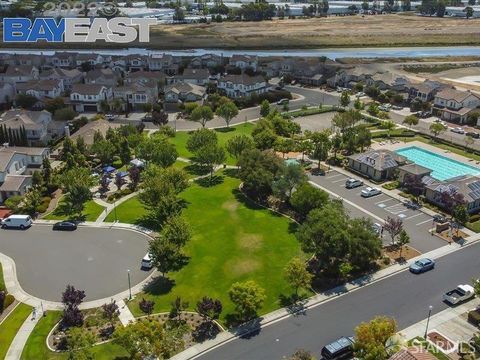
[[245, 330], [225, 129], [197, 170], [159, 286], [233, 173], [64, 210], [293, 227], [207, 182], [294, 304]]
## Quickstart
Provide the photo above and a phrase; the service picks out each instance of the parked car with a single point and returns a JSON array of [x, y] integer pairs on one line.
[[377, 228], [360, 94], [110, 117], [397, 107], [353, 183], [369, 192], [473, 134], [65, 226], [384, 107], [283, 101], [147, 263], [460, 294], [439, 219], [17, 222], [412, 205], [341, 348], [458, 130], [424, 114], [422, 265]]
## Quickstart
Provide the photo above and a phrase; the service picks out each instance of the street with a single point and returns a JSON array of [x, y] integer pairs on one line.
[[92, 259], [404, 296], [378, 207]]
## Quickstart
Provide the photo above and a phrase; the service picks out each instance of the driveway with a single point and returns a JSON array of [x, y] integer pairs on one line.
[[378, 207], [92, 259]]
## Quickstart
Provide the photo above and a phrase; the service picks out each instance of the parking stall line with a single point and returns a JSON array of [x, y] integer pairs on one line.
[[423, 222], [384, 201], [411, 217], [333, 176], [336, 181]]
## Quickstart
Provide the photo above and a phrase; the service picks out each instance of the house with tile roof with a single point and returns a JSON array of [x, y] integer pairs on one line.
[[455, 105], [86, 97]]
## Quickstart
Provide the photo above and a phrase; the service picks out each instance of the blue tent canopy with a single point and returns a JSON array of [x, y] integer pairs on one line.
[[122, 174], [108, 169]]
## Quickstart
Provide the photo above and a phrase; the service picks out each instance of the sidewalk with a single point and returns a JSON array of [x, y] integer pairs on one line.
[[110, 206], [125, 316], [16, 347], [314, 301]]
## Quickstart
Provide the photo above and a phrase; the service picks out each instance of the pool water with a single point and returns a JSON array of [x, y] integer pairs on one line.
[[292, 161], [442, 167]]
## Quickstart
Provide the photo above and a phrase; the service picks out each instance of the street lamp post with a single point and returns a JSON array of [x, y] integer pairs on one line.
[[428, 319], [129, 286]]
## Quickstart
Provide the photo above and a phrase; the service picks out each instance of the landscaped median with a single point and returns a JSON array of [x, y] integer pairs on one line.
[[10, 326]]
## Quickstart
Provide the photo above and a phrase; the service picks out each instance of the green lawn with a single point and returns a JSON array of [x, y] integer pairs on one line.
[[2, 280], [474, 226], [129, 211], [191, 169], [36, 347], [10, 326], [91, 211], [233, 240], [224, 134]]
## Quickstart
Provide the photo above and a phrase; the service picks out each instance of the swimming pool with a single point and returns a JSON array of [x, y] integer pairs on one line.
[[442, 167]]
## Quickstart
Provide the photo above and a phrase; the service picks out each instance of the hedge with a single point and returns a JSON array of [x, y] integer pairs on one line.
[[9, 299], [474, 317]]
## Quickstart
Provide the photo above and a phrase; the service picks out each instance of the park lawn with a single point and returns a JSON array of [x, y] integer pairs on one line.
[[90, 212], [130, 212], [10, 326], [36, 347], [233, 240], [223, 134], [2, 280], [190, 168]]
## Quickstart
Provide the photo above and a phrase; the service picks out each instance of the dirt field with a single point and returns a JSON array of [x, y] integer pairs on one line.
[[333, 31]]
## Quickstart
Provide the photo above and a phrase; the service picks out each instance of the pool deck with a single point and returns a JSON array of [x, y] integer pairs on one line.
[[400, 144]]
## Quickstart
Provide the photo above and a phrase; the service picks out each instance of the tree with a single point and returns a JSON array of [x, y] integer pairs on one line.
[[436, 129], [157, 150], [371, 338], [247, 297], [388, 125], [202, 114], [345, 99], [210, 156], [76, 183], [134, 175], [176, 231], [321, 145], [290, 177], [165, 255], [79, 342], [301, 354], [159, 118], [209, 309], [179, 14], [297, 275], [440, 8], [146, 306], [71, 299], [25, 101], [178, 306], [306, 198], [410, 120], [414, 185], [228, 110], [365, 245], [200, 138], [393, 227], [239, 143], [264, 108], [403, 239], [51, 105], [365, 5], [325, 7], [460, 215], [110, 312], [468, 12], [65, 114], [363, 138], [32, 200], [104, 150]]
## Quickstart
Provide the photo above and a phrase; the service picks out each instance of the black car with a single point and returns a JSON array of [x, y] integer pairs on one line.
[[439, 219], [473, 134], [65, 226]]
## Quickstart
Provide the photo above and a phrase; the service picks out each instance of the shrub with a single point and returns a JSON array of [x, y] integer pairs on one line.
[[391, 185], [117, 164], [9, 299], [474, 317], [146, 306], [2, 300], [474, 218]]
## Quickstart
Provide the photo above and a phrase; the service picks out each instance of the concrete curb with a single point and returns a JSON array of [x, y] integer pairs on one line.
[[278, 315]]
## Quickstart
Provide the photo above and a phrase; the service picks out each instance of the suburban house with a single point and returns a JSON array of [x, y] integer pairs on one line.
[[42, 88], [424, 91], [206, 61], [19, 73], [178, 93], [101, 76], [69, 77], [244, 62], [191, 76], [17, 164], [413, 171], [86, 97], [137, 94], [63, 60], [455, 105], [243, 85], [136, 62], [387, 80], [89, 58], [146, 77], [162, 62], [7, 92], [38, 125], [378, 165], [467, 185], [24, 59]]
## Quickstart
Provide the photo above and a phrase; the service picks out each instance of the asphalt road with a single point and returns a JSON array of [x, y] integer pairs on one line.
[[404, 296], [415, 222], [92, 259]]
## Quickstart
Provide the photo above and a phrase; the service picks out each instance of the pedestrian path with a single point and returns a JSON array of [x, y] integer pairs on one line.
[[16, 347], [125, 315], [111, 206]]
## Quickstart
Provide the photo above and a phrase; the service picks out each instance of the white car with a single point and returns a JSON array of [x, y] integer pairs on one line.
[[17, 222], [147, 262], [353, 183], [458, 130], [460, 294], [369, 192]]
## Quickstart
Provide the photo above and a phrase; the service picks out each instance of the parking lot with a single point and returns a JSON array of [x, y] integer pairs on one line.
[[378, 207], [91, 259]]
